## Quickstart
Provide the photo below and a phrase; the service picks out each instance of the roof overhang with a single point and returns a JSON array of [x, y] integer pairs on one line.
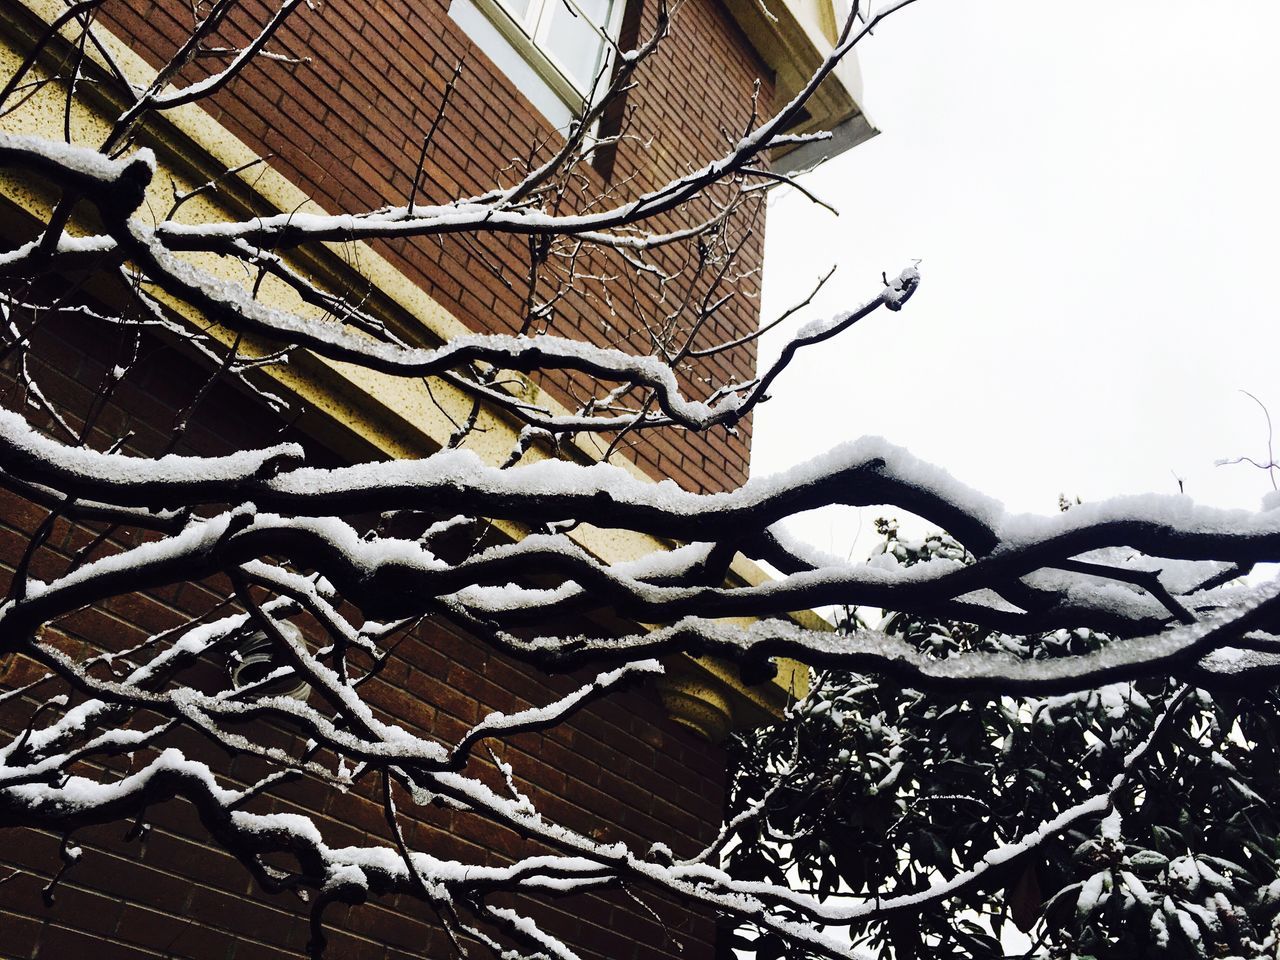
[[793, 37]]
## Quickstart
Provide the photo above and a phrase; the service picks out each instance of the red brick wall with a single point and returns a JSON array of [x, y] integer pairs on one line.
[[619, 770], [347, 126]]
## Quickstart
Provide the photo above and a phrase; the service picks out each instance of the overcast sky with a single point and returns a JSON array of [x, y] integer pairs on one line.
[[1093, 191]]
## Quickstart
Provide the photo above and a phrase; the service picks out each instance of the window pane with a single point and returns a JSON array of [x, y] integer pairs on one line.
[[574, 43], [597, 11]]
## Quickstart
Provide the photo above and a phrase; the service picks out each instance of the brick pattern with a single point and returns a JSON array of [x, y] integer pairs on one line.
[[619, 770], [347, 126]]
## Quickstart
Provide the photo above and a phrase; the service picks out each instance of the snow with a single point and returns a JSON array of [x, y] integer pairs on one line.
[[66, 244], [456, 480], [1233, 660], [1093, 892], [457, 483], [893, 296], [876, 649], [837, 473], [27, 452], [83, 160], [76, 793], [496, 723]]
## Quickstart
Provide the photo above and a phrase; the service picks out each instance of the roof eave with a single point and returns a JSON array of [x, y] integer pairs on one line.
[[793, 37]]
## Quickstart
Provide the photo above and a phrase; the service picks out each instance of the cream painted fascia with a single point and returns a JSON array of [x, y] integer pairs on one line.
[[361, 412], [793, 37]]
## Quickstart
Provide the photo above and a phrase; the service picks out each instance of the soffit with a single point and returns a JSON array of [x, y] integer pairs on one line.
[[793, 37]]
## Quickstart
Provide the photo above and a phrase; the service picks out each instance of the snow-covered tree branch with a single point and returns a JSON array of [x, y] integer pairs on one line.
[[322, 568]]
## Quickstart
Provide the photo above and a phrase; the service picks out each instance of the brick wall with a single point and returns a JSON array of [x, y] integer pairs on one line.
[[347, 125], [620, 770]]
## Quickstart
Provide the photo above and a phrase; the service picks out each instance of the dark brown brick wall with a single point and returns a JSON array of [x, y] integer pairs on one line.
[[620, 770], [347, 126]]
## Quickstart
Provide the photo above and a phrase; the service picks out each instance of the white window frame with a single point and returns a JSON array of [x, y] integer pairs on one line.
[[519, 47]]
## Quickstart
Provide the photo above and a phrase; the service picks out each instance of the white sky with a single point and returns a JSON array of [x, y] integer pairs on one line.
[[1093, 192]]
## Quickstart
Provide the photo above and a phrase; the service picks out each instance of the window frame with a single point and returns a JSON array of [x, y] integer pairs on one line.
[[528, 35]]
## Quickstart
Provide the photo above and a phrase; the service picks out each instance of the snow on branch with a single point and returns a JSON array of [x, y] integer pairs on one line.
[[323, 571]]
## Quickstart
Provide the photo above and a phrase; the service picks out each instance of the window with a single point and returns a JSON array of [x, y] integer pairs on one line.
[[553, 49]]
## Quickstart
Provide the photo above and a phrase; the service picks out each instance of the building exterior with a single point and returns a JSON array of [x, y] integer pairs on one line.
[[342, 120]]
